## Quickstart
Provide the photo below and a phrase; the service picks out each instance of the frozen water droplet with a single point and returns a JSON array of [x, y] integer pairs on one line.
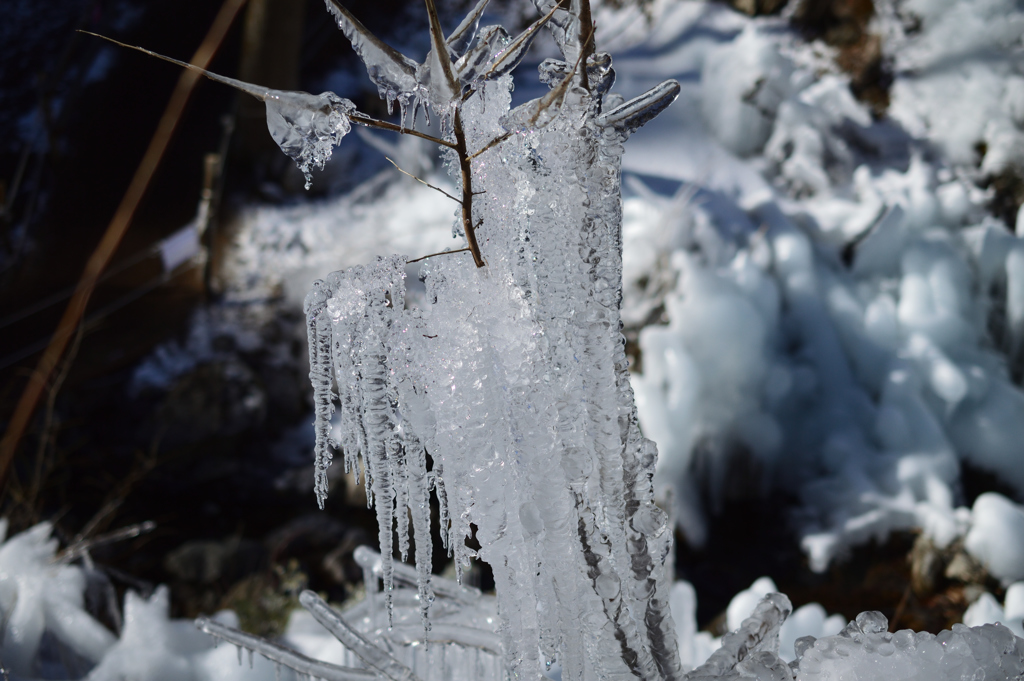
[[872, 622], [802, 645], [308, 127]]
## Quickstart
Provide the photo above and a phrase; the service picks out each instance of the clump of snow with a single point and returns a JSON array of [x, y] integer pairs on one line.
[[154, 647], [867, 649], [987, 610], [823, 308], [40, 595], [996, 537], [958, 78]]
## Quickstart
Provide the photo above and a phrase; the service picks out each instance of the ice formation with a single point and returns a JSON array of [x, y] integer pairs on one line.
[[514, 380]]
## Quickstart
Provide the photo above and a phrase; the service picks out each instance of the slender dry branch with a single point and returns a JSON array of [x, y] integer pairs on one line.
[[587, 40], [490, 145], [261, 93], [440, 47], [421, 181], [467, 188], [558, 92], [424, 257], [77, 549], [384, 125]]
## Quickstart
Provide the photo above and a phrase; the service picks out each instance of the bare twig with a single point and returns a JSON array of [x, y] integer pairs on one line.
[[467, 188], [460, 250], [440, 47], [80, 547], [384, 125], [112, 238], [587, 48], [422, 181], [490, 145], [512, 48]]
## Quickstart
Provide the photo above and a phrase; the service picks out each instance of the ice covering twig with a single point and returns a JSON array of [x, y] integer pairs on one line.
[[375, 657], [281, 655], [367, 558], [758, 633]]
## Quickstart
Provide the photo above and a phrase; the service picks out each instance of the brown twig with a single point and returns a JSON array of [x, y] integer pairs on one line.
[[558, 92], [467, 189], [490, 145], [112, 237], [384, 125], [80, 547], [421, 181], [587, 36], [460, 250]]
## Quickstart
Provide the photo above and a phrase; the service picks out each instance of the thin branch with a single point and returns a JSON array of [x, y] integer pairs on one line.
[[421, 181], [494, 142], [80, 547], [384, 125], [467, 188], [526, 35], [587, 48], [461, 250], [262, 93], [440, 47]]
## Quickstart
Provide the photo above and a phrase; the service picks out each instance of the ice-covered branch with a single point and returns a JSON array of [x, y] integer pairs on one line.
[[375, 657], [284, 656]]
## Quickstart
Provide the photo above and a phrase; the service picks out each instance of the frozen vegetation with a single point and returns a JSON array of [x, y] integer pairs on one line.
[[819, 295]]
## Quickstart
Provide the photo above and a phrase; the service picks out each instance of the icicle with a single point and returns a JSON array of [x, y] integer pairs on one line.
[[442, 503], [320, 375], [238, 649], [308, 127], [250, 658]]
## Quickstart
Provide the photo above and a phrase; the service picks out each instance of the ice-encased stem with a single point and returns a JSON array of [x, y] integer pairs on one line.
[[280, 655], [371, 655]]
